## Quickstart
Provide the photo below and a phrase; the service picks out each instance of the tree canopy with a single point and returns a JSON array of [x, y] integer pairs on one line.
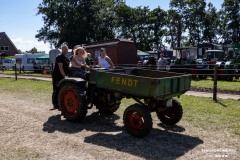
[[185, 23]]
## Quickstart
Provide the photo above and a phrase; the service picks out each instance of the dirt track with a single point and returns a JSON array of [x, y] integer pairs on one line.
[[30, 131]]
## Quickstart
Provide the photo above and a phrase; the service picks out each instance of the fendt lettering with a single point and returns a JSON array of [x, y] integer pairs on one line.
[[124, 81]]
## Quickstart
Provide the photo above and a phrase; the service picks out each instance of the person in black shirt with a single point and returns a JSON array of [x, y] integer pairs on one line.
[[60, 71]]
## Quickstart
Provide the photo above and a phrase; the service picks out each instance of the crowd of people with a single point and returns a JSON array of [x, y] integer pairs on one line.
[[75, 66], [160, 63]]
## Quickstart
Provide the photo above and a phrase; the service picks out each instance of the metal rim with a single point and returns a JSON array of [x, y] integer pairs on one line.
[[70, 102], [135, 120]]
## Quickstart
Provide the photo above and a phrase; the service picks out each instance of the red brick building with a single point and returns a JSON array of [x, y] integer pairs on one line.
[[7, 48]]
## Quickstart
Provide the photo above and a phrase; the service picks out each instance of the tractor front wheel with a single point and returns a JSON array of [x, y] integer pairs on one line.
[[137, 120], [72, 102]]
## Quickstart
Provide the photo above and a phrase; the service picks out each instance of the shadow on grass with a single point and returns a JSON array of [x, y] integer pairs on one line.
[[159, 144], [222, 104]]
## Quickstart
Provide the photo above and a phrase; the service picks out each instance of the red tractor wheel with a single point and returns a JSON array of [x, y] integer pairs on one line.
[[137, 120], [72, 102]]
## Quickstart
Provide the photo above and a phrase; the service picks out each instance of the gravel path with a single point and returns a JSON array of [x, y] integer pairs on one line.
[[29, 130]]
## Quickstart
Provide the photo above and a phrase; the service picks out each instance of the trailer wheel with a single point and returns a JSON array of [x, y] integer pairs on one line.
[[72, 102], [137, 120], [172, 115]]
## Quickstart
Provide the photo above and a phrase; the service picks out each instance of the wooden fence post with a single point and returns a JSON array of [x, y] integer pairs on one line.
[[15, 67], [215, 83]]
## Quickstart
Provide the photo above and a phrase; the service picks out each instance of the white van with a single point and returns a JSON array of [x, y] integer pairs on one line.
[[26, 61], [8, 64]]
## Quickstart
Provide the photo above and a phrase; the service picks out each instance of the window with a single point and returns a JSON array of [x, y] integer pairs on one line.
[[4, 48], [18, 60], [44, 61], [30, 60], [6, 61]]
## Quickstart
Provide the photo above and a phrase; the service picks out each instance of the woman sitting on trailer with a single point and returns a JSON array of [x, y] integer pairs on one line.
[[104, 61], [78, 63]]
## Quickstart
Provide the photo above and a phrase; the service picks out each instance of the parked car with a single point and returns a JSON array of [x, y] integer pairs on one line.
[[8, 64]]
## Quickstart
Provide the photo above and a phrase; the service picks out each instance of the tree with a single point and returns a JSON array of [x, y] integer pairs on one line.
[[126, 22], [19, 51], [34, 51], [76, 21], [230, 26], [194, 14], [175, 25], [176, 22], [156, 24], [211, 24], [142, 28], [132, 23]]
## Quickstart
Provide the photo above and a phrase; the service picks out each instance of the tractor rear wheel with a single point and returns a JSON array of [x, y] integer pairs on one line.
[[72, 102], [137, 120], [171, 115]]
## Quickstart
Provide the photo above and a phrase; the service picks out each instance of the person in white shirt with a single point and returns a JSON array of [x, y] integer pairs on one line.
[[104, 61], [162, 62]]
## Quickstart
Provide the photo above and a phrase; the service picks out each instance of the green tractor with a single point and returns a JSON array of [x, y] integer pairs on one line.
[[186, 62], [232, 66]]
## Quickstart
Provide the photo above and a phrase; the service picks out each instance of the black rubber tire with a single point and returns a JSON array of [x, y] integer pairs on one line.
[[72, 102], [137, 120], [172, 115]]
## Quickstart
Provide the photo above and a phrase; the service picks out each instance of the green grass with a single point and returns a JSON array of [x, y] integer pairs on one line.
[[198, 111], [25, 87], [222, 85], [28, 73], [205, 113]]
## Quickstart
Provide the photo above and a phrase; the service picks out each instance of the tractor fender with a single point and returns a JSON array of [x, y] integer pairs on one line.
[[70, 80]]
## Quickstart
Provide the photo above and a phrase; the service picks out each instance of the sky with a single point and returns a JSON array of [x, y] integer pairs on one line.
[[20, 22]]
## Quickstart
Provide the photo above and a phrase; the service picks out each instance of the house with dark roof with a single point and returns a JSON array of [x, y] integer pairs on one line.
[[7, 48]]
